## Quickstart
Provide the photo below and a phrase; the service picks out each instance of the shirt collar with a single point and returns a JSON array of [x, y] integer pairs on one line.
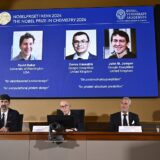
[[82, 56], [122, 113], [22, 58], [6, 112], [69, 113], [121, 55]]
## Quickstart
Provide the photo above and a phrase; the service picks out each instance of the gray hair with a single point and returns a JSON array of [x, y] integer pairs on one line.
[[127, 98]]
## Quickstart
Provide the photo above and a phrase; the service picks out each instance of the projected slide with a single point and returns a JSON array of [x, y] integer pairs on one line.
[[78, 53]]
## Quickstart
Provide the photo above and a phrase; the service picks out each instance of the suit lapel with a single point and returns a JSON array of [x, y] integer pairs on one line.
[[119, 119], [8, 116], [130, 119]]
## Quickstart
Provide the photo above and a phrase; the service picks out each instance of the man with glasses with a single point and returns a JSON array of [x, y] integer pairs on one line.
[[65, 110], [120, 41], [80, 44], [124, 117]]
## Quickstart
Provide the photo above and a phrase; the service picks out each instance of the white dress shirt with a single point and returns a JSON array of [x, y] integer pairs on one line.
[[122, 117], [81, 56], [5, 116]]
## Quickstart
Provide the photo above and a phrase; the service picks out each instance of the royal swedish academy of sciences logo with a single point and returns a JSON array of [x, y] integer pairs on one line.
[[5, 18], [120, 14]]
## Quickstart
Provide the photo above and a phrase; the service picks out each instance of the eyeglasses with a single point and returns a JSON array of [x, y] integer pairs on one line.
[[62, 106], [124, 103], [80, 42]]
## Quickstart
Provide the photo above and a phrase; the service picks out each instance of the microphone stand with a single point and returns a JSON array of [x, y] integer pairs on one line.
[[55, 137]]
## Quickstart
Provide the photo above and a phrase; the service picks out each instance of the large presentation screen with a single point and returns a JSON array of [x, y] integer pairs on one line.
[[157, 21], [78, 53]]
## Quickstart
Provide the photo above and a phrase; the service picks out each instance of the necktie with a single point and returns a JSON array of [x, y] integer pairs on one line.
[[79, 58], [125, 120], [3, 119]]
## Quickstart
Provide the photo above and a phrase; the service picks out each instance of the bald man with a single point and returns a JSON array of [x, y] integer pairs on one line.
[[65, 109]]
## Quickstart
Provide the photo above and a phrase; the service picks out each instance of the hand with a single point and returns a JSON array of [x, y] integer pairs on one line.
[[4, 129], [71, 130]]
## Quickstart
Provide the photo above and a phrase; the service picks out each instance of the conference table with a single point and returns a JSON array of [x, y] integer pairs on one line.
[[80, 146]]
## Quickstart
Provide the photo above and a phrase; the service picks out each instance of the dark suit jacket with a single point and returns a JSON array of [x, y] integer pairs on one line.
[[91, 56], [78, 118], [128, 55], [115, 121], [12, 120]]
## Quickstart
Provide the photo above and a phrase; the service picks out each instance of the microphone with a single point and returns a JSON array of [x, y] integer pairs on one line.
[[54, 137]]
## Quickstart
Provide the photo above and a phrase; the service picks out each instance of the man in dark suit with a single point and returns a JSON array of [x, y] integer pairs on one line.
[[9, 117], [66, 111], [123, 118], [80, 44]]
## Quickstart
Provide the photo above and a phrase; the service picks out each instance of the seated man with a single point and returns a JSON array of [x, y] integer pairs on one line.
[[78, 119], [123, 118], [9, 117]]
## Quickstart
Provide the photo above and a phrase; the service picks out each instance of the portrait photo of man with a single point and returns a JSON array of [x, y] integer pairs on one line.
[[29, 46], [119, 43], [82, 45]]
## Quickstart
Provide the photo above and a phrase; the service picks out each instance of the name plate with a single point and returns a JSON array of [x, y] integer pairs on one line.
[[40, 129], [130, 129]]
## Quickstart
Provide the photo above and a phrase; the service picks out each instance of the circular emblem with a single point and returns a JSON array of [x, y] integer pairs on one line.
[[120, 14], [5, 18]]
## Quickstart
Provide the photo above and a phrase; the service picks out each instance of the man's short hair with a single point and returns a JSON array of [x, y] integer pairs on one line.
[[127, 98], [79, 34], [5, 97], [120, 33], [26, 36]]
